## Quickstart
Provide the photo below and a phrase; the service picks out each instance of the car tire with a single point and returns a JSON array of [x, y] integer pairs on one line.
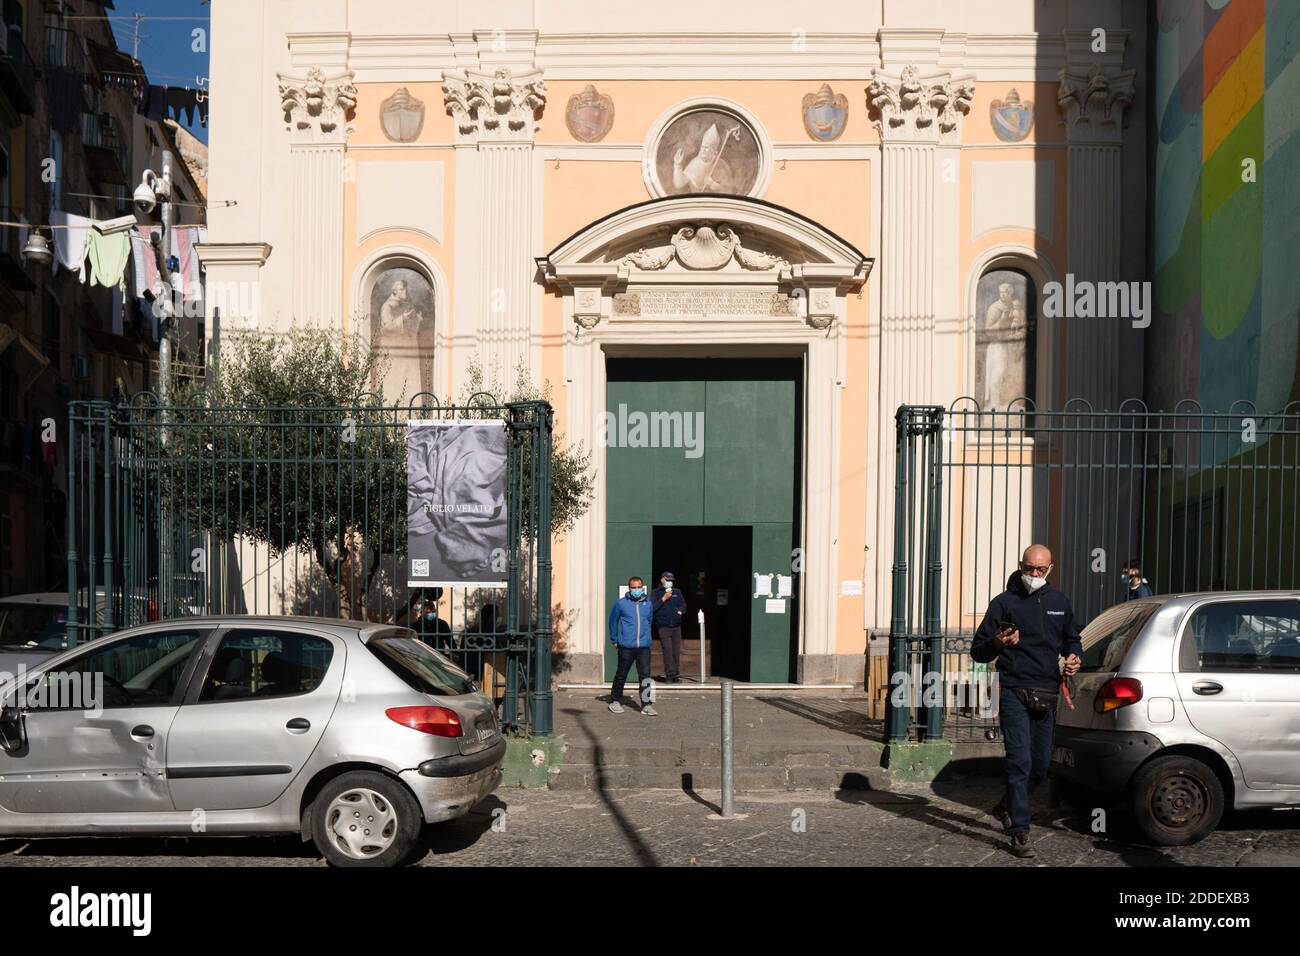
[[364, 818], [1176, 800]]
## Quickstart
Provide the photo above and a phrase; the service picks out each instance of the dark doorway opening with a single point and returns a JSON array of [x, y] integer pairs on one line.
[[712, 566]]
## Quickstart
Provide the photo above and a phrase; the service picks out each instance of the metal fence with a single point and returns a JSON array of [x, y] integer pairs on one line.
[[180, 511], [1203, 501]]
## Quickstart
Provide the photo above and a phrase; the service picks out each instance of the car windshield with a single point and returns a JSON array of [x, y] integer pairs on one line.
[[420, 666], [32, 626]]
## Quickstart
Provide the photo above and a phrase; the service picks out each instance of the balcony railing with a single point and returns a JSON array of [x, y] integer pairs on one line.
[[63, 49]]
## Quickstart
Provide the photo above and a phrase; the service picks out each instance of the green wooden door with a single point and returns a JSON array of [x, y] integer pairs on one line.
[[742, 473]]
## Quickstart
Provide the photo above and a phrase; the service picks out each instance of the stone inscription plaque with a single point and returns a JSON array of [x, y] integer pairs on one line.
[[705, 302]]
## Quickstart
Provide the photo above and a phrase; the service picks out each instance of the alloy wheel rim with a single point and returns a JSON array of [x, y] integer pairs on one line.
[[362, 823], [1178, 801]]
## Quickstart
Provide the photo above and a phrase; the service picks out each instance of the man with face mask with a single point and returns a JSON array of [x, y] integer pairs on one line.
[[669, 608], [629, 632], [1027, 629]]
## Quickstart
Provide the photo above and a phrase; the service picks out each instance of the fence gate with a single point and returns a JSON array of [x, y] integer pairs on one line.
[[301, 509], [1204, 501]]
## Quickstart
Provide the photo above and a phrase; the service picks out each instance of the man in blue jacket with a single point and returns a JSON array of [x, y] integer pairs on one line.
[[1027, 629], [629, 632], [669, 609]]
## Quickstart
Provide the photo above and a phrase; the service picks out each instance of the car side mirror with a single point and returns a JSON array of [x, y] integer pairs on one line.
[[13, 730]]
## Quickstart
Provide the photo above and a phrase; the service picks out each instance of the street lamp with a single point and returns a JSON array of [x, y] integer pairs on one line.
[[37, 250]]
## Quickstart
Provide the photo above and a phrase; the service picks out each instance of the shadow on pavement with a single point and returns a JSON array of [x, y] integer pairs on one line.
[[688, 788], [287, 847], [459, 834], [644, 855], [844, 719]]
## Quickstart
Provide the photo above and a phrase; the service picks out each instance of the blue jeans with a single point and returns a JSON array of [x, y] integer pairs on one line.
[[626, 655], [1028, 739]]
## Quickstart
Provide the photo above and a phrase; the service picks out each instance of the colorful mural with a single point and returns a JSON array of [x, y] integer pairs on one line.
[[1227, 203]]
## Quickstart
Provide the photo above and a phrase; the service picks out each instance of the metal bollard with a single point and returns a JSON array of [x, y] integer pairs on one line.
[[728, 770], [700, 618]]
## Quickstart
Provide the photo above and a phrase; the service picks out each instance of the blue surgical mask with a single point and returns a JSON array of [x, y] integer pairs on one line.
[[636, 592]]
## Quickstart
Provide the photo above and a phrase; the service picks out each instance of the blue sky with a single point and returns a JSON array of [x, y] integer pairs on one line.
[[166, 40]]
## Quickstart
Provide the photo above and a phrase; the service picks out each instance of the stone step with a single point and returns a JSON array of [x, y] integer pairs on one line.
[[847, 756], [747, 779]]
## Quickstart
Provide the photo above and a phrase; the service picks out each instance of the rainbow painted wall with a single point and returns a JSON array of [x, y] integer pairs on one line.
[[1226, 248]]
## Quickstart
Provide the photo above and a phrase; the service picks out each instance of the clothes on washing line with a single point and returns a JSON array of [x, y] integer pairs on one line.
[[153, 104], [108, 254], [63, 97], [70, 243], [183, 102]]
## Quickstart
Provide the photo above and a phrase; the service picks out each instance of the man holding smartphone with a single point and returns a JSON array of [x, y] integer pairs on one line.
[[1027, 629], [669, 609]]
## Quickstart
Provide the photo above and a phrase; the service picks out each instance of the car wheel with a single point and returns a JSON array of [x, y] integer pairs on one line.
[[364, 818], [1176, 800]]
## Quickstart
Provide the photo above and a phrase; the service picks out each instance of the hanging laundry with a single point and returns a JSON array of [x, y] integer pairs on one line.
[[108, 255], [180, 102], [144, 263], [63, 97], [72, 242], [153, 104], [50, 454]]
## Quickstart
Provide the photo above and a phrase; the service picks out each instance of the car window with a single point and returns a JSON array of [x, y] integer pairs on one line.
[[1107, 640], [421, 667], [33, 626], [1256, 635], [143, 671], [258, 664]]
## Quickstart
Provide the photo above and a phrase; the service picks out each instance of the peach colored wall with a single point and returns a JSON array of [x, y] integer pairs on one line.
[[854, 440]]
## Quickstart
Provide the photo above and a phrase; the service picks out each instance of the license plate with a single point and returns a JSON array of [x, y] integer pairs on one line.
[[1063, 755], [487, 728]]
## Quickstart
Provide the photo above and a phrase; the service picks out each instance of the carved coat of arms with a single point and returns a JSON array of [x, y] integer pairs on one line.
[[589, 115], [825, 113], [402, 116], [1012, 119]]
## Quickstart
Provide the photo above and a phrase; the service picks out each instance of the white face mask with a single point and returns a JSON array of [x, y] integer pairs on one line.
[[1032, 583]]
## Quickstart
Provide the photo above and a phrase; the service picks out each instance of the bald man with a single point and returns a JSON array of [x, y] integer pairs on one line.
[[1027, 629]]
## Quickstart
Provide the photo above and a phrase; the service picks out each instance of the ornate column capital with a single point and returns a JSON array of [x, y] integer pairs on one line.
[[317, 107], [501, 106], [1093, 103], [914, 108]]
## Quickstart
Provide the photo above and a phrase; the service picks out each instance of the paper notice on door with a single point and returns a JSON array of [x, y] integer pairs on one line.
[[622, 591], [784, 585], [762, 585], [775, 605], [850, 588]]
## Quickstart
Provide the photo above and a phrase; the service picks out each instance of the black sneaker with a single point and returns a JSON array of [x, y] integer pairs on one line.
[[1002, 815], [1020, 846]]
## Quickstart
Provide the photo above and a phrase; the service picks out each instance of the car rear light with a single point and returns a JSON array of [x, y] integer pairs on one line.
[[1116, 693], [439, 721]]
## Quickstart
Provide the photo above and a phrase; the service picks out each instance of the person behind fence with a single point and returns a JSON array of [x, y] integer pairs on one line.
[[1027, 629], [1138, 586], [669, 608], [629, 632]]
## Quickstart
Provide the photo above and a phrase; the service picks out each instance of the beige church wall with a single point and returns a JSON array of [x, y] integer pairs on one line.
[[639, 103], [977, 128]]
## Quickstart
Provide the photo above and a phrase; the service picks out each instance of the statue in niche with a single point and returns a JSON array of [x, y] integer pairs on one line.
[[1004, 338], [401, 329]]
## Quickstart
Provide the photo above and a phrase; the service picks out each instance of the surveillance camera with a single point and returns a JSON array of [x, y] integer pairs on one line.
[[144, 199]]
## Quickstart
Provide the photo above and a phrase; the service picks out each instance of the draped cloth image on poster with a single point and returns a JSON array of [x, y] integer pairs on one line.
[[456, 503]]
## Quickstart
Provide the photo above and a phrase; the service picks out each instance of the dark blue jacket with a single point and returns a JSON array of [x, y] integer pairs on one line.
[[1047, 631], [668, 613], [629, 622], [1143, 590]]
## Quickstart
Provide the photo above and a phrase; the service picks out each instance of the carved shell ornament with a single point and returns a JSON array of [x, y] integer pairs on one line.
[[703, 247]]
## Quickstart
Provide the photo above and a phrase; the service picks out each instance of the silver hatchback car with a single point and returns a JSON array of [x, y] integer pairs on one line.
[[1185, 705], [353, 734]]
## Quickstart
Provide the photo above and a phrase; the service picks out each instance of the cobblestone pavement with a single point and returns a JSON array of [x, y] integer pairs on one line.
[[921, 826]]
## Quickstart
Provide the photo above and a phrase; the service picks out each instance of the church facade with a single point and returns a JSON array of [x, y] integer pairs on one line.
[[732, 243]]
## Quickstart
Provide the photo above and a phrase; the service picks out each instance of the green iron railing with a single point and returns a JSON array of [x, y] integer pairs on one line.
[[1205, 501], [301, 509]]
